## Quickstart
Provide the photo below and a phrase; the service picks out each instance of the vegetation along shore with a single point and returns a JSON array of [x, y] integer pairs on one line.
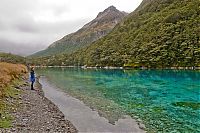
[[24, 110]]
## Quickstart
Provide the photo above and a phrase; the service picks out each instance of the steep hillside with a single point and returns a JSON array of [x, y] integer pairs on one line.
[[97, 28], [159, 33]]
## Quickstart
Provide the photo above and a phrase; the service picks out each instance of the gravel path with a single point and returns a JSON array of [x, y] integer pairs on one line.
[[38, 114]]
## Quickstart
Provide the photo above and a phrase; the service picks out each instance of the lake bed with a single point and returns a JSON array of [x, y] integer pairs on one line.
[[165, 100]]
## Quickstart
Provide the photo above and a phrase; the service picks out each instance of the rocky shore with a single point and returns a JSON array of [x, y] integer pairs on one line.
[[35, 113]]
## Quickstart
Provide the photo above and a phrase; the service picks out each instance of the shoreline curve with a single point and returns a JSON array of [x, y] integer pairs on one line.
[[83, 117]]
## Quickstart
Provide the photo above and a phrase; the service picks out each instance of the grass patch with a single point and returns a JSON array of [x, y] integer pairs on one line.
[[6, 120], [9, 103], [10, 78]]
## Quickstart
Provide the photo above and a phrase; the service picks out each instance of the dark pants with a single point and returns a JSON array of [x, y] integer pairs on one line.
[[32, 85]]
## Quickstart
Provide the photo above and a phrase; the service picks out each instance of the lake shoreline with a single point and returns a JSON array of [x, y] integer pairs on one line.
[[86, 119], [123, 68], [36, 113]]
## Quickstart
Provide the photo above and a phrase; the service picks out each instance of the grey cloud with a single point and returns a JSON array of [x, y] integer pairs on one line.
[[26, 28], [25, 24], [59, 10], [27, 38], [18, 48], [30, 26], [2, 26], [21, 34]]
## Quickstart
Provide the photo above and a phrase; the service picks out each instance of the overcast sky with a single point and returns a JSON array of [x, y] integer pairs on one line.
[[27, 26]]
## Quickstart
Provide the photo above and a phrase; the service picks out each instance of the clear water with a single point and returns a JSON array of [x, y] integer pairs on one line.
[[166, 100]]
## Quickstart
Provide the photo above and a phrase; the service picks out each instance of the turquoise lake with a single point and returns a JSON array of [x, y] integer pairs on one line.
[[166, 101]]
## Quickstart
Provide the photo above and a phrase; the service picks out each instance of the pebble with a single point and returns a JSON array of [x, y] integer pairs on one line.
[[17, 87], [142, 126], [37, 114]]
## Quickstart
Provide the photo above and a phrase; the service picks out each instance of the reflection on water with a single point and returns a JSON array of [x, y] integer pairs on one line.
[[166, 100]]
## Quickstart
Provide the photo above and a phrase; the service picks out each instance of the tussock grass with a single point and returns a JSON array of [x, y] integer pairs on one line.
[[9, 78], [9, 72]]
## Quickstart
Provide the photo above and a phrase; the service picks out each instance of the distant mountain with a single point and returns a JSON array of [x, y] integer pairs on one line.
[[10, 58], [97, 28], [159, 33]]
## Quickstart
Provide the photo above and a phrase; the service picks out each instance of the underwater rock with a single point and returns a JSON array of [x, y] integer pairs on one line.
[[192, 105]]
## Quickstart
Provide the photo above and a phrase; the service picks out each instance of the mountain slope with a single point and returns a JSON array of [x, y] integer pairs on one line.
[[97, 28], [10, 58], [159, 33]]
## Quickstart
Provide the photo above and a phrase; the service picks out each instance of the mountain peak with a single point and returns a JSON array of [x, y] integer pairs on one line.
[[110, 9], [110, 15], [90, 32]]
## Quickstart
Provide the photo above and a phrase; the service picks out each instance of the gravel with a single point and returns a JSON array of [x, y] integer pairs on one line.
[[36, 113]]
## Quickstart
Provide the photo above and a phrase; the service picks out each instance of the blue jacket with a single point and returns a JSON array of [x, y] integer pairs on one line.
[[32, 76]]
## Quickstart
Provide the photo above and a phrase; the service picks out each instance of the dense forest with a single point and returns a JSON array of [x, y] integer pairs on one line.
[[159, 33]]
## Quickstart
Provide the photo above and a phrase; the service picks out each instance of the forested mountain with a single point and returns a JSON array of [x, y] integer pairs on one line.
[[159, 33], [97, 28], [10, 58]]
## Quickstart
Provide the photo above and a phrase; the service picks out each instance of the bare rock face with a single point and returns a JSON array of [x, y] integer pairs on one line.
[[110, 16], [92, 31]]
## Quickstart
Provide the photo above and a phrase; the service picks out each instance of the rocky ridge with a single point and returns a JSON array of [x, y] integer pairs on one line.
[[92, 31]]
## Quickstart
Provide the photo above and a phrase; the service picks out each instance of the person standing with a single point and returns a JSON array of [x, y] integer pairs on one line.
[[32, 77]]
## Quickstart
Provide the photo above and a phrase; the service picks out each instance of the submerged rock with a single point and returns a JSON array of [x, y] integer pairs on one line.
[[192, 105]]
